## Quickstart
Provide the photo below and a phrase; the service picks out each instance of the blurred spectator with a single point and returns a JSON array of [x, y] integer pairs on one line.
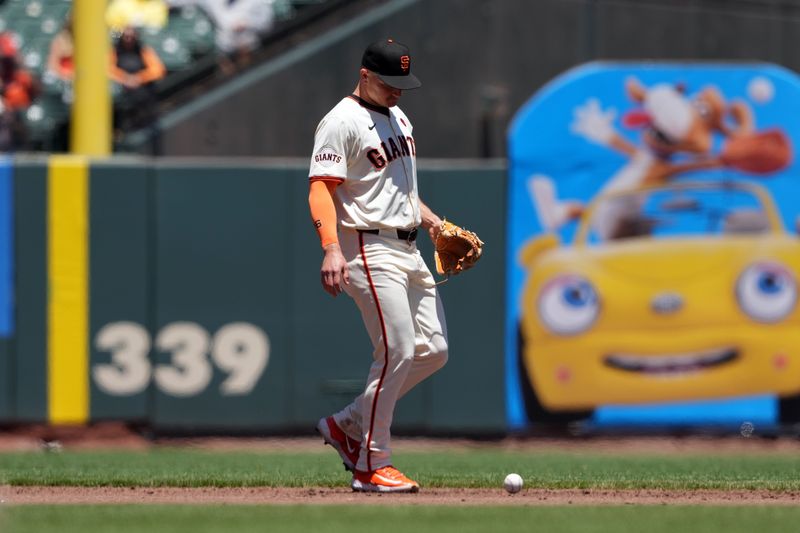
[[136, 67], [137, 13], [62, 49], [239, 24], [58, 77], [18, 88]]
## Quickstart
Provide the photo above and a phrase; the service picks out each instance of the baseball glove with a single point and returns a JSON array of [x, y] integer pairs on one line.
[[457, 249]]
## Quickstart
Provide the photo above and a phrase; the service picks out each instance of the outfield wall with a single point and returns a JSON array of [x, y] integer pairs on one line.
[[184, 294]]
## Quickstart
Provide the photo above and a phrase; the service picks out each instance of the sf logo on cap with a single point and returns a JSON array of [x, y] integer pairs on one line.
[[405, 63]]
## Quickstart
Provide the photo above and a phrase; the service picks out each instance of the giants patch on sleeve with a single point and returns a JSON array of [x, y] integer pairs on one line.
[[327, 156]]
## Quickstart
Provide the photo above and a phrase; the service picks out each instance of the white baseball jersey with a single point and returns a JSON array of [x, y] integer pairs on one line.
[[371, 152]]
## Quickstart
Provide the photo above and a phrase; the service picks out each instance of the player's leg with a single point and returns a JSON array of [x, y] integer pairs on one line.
[[389, 322], [430, 349], [379, 268], [430, 327], [426, 316], [342, 430], [430, 336]]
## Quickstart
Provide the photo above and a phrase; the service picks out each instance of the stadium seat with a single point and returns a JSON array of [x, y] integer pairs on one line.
[[40, 121], [169, 46], [192, 26], [26, 29], [17, 9], [34, 54]]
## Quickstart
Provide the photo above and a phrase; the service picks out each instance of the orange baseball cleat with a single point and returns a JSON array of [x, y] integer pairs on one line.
[[385, 479]]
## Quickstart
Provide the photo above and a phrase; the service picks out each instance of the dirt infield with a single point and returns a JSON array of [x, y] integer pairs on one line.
[[317, 496]]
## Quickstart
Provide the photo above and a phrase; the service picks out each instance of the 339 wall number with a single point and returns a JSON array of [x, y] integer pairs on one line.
[[239, 349]]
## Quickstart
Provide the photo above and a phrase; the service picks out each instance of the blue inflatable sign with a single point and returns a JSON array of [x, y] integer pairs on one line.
[[653, 251]]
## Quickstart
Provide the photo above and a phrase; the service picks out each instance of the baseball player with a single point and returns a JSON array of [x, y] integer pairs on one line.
[[363, 179]]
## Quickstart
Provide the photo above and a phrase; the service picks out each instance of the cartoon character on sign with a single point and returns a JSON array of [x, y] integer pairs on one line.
[[677, 138], [660, 296]]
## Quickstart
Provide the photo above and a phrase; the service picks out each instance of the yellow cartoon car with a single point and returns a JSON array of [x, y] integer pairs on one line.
[[679, 292]]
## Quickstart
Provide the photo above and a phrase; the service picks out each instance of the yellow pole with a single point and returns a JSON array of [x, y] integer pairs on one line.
[[91, 109], [68, 282]]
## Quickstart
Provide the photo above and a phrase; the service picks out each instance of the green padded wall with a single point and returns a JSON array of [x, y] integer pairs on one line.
[[468, 394], [206, 311], [30, 353], [121, 290], [220, 242]]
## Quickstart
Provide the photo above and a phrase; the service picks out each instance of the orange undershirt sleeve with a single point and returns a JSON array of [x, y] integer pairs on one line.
[[323, 210]]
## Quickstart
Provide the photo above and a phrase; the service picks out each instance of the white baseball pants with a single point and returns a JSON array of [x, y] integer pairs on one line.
[[401, 309]]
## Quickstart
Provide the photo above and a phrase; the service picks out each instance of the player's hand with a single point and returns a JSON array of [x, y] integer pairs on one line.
[[434, 229], [430, 221], [334, 270]]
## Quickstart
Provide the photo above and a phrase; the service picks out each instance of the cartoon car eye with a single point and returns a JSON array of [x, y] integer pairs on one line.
[[766, 291], [568, 305]]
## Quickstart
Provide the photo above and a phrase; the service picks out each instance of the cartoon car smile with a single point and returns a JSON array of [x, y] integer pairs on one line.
[[692, 296], [673, 363]]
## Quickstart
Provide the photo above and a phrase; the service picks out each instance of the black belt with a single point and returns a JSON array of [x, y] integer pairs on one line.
[[402, 234]]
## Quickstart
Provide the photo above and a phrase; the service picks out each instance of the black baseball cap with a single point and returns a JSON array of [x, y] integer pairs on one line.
[[391, 61]]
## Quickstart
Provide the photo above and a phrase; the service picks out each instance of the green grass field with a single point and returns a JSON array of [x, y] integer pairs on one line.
[[472, 468], [181, 467], [406, 519]]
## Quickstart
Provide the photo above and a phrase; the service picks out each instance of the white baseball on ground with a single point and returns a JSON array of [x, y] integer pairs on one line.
[[513, 483]]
